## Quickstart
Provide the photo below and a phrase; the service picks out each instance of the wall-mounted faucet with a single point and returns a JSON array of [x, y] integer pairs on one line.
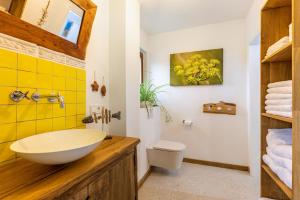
[[18, 96], [51, 98]]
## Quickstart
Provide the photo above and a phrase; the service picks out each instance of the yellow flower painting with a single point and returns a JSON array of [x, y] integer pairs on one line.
[[197, 68]]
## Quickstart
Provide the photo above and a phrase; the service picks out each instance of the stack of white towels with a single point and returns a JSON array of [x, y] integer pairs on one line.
[[279, 154], [279, 98], [278, 45]]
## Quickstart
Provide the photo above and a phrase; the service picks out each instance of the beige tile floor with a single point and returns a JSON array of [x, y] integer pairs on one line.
[[196, 182]]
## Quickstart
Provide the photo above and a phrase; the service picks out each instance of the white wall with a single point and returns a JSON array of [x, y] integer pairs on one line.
[[253, 20], [124, 66], [219, 138], [254, 109], [253, 68], [117, 73], [97, 58], [150, 129], [133, 67]]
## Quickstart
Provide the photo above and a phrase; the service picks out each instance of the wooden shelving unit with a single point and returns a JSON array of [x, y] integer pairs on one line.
[[283, 54], [276, 117], [284, 64], [280, 184]]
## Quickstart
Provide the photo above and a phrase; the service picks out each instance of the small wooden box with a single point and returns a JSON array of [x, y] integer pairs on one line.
[[220, 108]]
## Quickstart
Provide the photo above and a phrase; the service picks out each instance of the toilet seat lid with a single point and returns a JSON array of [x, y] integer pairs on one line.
[[169, 146]]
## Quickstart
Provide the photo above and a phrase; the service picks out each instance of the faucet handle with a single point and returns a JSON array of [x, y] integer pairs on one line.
[[18, 96]]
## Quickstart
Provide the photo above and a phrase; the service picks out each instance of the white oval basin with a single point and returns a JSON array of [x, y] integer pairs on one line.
[[58, 147]]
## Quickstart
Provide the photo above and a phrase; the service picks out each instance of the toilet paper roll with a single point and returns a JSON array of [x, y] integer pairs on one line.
[[187, 122]]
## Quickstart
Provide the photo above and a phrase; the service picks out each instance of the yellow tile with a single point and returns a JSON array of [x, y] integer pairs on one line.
[[81, 74], [26, 112], [81, 109], [59, 123], [26, 129], [27, 79], [44, 125], [71, 72], [8, 132], [8, 59], [71, 122], [5, 152], [81, 98], [44, 111], [59, 83], [59, 70], [70, 109], [71, 84], [8, 77], [58, 111], [25, 100], [4, 95], [44, 81], [44, 66], [81, 85], [27, 63], [79, 120], [8, 114], [70, 97]]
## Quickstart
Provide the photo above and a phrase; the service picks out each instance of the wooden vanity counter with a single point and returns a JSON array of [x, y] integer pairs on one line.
[[108, 173]]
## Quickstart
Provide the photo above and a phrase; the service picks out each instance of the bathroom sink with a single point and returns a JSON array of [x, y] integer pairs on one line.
[[58, 147]]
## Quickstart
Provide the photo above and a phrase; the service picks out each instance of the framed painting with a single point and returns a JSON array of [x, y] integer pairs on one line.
[[197, 68]]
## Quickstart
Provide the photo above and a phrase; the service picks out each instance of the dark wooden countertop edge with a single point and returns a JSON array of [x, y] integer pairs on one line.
[[65, 177]]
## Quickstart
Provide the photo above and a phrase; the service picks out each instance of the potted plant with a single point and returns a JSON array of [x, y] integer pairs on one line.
[[148, 98]]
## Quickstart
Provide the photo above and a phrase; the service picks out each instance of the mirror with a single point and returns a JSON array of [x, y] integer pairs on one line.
[[60, 17], [60, 25]]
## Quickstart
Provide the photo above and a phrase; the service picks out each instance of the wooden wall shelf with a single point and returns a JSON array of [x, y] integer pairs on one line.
[[284, 119], [278, 182], [283, 54], [270, 4]]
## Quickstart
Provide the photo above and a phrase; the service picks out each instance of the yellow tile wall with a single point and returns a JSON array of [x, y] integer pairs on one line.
[[26, 118]]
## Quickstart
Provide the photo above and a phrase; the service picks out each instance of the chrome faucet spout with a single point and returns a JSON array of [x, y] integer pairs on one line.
[[51, 98]]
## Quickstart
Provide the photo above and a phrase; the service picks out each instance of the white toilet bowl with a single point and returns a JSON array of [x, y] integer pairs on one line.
[[166, 154]]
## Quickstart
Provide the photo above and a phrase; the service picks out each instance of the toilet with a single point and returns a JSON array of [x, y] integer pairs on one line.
[[166, 154]]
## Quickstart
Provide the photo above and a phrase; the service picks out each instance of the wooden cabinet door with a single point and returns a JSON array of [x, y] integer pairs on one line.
[[99, 189], [75, 194], [122, 179]]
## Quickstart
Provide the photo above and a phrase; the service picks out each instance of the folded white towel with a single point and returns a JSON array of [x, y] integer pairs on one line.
[[278, 96], [284, 151], [280, 90], [281, 130], [280, 161], [277, 138], [279, 102], [280, 113], [279, 108], [280, 84], [277, 45], [283, 174], [291, 32]]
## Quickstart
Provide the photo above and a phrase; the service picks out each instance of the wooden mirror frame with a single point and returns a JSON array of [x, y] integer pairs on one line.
[[15, 27]]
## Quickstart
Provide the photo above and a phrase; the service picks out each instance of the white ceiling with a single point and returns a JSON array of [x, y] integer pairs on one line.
[[168, 15]]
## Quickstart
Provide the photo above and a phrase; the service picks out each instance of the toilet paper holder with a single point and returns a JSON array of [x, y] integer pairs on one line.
[[187, 122]]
